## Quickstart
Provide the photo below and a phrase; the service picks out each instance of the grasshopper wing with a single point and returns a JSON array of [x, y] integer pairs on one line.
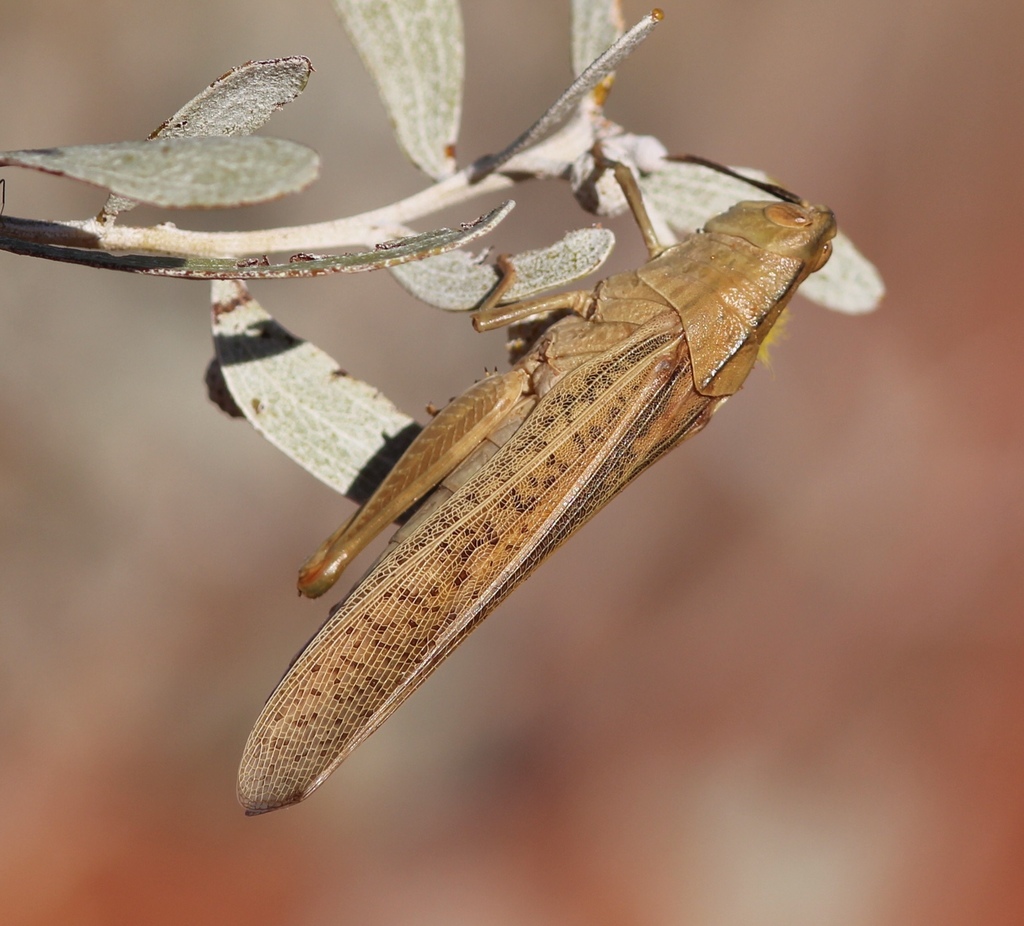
[[596, 429]]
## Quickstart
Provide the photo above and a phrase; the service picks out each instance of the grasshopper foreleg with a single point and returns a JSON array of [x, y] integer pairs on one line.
[[490, 315]]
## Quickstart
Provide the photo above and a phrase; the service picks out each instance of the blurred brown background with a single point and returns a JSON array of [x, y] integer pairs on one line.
[[779, 681]]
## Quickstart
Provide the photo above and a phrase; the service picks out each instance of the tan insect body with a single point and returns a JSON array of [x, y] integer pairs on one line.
[[518, 463]]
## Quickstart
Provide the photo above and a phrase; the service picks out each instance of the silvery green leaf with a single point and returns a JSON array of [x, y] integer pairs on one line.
[[182, 172], [596, 24], [456, 281], [687, 195], [236, 104], [600, 68], [339, 429], [387, 254], [413, 49], [848, 283], [242, 100]]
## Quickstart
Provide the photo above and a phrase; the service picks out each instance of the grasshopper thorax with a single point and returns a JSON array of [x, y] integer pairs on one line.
[[730, 284]]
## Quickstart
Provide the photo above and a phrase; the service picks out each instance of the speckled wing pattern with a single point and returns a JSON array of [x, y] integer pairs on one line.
[[590, 435]]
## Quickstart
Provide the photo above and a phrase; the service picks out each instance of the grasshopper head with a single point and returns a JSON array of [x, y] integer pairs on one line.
[[725, 343], [796, 230]]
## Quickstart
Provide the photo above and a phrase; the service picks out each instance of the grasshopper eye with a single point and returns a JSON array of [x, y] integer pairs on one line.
[[788, 215], [823, 255]]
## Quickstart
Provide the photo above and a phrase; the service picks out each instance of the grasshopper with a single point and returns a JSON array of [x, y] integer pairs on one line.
[[520, 461]]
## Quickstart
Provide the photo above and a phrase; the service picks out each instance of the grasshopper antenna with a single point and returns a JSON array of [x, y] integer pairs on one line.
[[771, 189]]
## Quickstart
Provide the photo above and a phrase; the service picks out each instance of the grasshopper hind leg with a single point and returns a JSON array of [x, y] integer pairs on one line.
[[451, 436]]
